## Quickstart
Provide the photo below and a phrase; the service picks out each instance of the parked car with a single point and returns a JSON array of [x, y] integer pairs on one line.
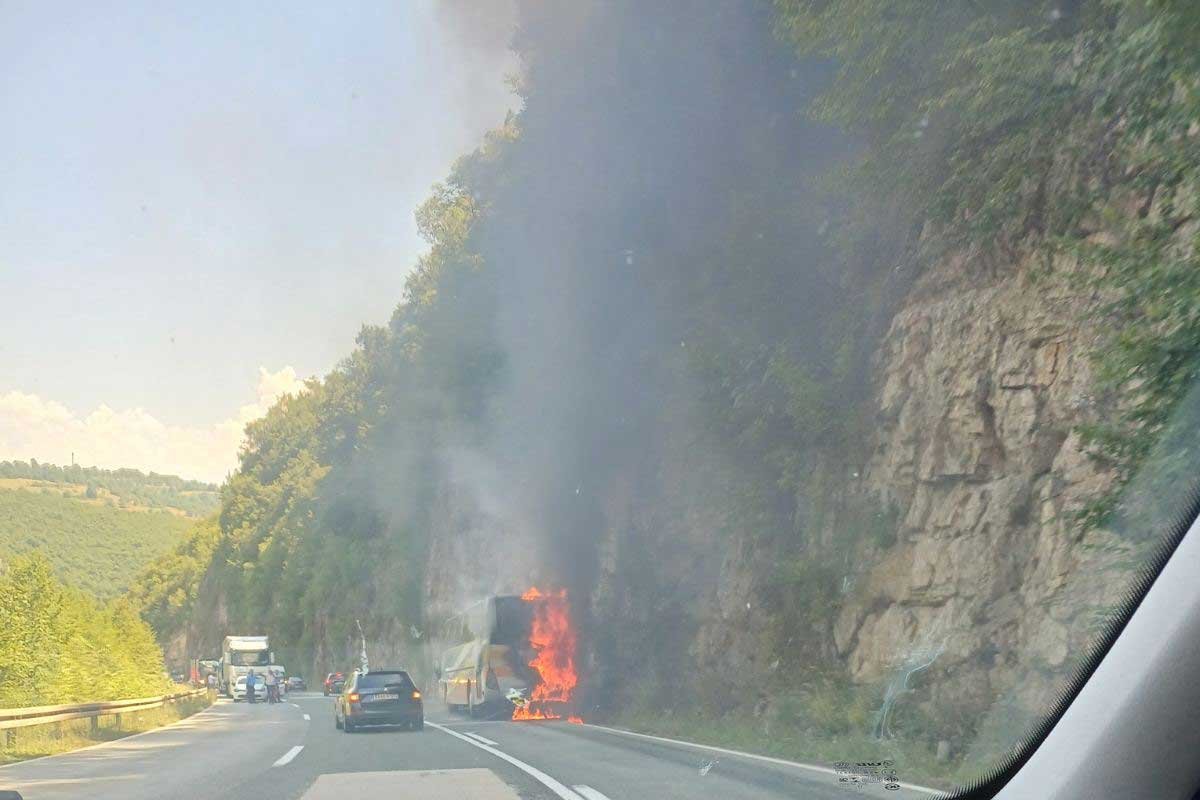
[[238, 690], [296, 684], [379, 697], [333, 683]]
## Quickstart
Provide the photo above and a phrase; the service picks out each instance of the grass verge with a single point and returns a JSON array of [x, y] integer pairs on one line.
[[915, 762], [36, 741]]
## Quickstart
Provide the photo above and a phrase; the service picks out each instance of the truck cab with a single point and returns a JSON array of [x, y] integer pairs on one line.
[[239, 655]]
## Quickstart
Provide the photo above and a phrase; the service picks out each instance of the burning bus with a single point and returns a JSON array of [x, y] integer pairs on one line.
[[486, 655], [509, 652]]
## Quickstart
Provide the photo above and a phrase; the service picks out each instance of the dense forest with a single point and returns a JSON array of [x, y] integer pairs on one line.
[[126, 487], [166, 588], [93, 547], [59, 645], [676, 321]]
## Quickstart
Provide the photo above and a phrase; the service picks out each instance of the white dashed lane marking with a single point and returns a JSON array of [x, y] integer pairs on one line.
[[307, 718], [287, 757], [561, 789], [479, 738], [590, 794]]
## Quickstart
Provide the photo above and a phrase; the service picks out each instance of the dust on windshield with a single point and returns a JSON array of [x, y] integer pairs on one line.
[[807, 380]]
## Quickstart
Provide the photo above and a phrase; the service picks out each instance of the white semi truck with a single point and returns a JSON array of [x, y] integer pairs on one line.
[[239, 655]]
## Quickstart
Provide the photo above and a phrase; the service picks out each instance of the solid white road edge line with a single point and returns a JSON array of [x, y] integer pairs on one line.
[[743, 754], [558, 788], [590, 794], [287, 757], [477, 737]]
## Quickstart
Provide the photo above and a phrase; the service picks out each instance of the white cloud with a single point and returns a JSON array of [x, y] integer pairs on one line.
[[33, 427]]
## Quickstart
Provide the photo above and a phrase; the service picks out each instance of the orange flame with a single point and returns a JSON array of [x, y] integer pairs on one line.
[[553, 640]]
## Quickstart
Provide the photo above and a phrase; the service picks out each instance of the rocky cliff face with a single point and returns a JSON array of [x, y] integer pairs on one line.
[[989, 584], [982, 381]]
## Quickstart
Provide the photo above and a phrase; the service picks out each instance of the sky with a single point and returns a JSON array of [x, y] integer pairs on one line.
[[202, 203]]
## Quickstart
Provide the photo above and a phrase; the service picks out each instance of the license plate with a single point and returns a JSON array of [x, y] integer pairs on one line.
[[371, 698]]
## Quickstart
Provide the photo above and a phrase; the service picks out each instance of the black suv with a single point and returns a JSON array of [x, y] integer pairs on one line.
[[379, 697]]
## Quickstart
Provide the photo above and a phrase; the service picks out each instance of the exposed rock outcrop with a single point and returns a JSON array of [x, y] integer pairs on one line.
[[981, 386]]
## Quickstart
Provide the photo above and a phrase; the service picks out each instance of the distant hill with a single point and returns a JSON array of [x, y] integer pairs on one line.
[[126, 488], [92, 544]]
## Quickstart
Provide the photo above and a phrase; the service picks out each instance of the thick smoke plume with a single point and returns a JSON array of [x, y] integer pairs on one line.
[[642, 125]]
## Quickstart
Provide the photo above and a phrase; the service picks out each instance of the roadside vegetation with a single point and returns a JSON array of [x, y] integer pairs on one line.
[[60, 645], [1061, 129], [66, 636], [807, 746], [166, 589], [95, 548], [823, 722]]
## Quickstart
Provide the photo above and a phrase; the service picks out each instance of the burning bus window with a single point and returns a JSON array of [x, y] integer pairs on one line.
[[500, 660]]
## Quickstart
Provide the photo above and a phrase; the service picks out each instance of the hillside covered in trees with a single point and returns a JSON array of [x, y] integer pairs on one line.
[[92, 546], [795, 342], [122, 487], [166, 589]]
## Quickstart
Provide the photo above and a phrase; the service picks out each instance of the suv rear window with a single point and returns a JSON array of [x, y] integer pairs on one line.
[[378, 680]]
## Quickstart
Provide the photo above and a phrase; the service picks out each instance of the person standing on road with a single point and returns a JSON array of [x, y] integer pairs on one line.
[[251, 679], [272, 682]]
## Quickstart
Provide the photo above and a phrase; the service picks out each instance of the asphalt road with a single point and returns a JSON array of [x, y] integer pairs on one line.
[[292, 750]]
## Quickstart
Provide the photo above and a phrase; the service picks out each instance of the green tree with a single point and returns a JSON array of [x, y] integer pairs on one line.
[[31, 606]]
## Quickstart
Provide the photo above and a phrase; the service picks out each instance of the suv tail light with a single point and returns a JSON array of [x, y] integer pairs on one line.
[[416, 695], [354, 697]]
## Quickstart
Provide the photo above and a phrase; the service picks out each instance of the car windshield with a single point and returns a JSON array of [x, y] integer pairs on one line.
[[249, 658], [689, 400]]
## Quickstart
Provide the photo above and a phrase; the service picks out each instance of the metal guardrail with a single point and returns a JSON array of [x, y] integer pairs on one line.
[[11, 718]]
